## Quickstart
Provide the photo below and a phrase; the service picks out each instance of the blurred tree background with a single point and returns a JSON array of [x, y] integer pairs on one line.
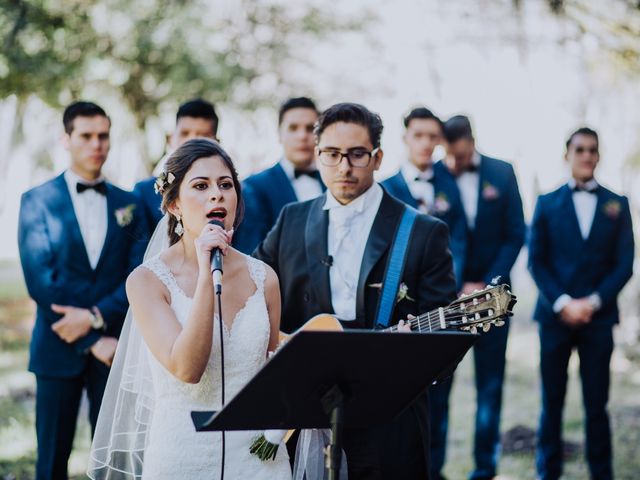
[[142, 59]]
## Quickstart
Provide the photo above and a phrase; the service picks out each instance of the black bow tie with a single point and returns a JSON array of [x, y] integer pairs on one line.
[[583, 188], [297, 173], [472, 168], [423, 179], [100, 187]]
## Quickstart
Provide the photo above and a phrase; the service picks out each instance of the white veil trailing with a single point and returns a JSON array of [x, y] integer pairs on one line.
[[117, 451]]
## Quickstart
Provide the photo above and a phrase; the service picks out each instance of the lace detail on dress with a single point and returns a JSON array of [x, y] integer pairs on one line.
[[162, 271], [174, 449], [258, 272]]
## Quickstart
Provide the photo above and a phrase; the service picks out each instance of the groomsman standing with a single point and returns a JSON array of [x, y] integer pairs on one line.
[[331, 254], [580, 255], [294, 178], [431, 191], [79, 237], [496, 231], [195, 118]]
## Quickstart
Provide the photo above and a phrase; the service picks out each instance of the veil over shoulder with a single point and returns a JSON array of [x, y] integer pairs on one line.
[[127, 407]]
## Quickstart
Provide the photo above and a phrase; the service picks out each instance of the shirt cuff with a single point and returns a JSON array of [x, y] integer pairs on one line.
[[595, 301], [562, 301]]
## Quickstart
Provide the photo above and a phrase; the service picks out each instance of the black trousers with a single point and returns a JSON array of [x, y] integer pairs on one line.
[[57, 405]]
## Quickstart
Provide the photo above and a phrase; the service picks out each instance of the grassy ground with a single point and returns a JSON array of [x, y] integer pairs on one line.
[[521, 401]]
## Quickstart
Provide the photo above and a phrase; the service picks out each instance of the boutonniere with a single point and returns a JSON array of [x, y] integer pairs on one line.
[[441, 204], [612, 208], [403, 291], [124, 215], [489, 192]]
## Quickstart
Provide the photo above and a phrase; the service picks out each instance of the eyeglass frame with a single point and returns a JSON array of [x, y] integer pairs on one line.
[[371, 154]]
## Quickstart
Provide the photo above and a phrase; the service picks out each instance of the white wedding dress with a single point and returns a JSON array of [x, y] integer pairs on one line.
[[173, 448]]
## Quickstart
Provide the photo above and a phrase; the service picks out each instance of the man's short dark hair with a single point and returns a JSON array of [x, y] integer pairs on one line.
[[422, 113], [199, 108], [80, 109], [351, 113], [582, 131], [297, 102], [456, 128]]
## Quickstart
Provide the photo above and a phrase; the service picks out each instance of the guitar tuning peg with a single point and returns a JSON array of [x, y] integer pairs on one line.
[[473, 329], [498, 323], [486, 327]]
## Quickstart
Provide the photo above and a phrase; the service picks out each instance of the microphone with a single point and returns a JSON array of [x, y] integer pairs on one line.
[[216, 262]]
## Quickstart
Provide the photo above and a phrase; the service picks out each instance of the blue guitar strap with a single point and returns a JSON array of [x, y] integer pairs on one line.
[[395, 266]]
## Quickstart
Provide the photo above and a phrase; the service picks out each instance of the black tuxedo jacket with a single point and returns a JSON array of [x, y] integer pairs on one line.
[[296, 248]]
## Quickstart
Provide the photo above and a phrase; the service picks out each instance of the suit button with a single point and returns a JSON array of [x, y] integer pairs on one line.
[[305, 297]]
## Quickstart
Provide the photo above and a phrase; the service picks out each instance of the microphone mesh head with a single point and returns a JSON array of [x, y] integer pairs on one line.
[[217, 222]]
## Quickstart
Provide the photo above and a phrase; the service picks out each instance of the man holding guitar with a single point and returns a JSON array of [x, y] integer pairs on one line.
[[331, 256]]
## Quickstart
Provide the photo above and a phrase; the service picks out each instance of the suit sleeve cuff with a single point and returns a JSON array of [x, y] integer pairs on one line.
[[595, 301], [562, 301]]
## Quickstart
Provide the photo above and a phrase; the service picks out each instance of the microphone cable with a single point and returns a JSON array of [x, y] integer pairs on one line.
[[219, 295]]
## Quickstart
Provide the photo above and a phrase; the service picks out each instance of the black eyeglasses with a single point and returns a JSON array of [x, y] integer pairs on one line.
[[356, 158], [591, 150]]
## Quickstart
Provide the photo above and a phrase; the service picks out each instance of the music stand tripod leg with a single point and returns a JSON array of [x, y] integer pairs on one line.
[[333, 405]]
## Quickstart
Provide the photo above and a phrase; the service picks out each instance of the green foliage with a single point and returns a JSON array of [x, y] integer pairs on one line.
[[155, 51]]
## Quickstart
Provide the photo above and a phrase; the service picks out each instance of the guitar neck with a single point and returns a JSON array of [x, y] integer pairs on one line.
[[427, 322]]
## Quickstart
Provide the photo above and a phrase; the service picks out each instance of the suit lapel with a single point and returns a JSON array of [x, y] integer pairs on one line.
[[380, 238], [62, 207], [404, 191], [284, 191], [112, 225], [599, 216], [571, 215], [315, 235], [483, 177]]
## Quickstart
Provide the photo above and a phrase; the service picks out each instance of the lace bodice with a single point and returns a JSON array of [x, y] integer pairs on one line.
[[174, 448]]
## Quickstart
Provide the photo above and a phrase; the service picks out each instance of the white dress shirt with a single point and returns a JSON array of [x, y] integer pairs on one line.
[[349, 228], [420, 186], [90, 208], [584, 203], [306, 187], [469, 186]]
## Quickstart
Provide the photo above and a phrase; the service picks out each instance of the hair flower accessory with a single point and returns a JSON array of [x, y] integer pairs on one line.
[[162, 181]]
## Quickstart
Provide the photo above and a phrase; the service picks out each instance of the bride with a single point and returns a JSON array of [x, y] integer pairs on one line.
[[168, 360]]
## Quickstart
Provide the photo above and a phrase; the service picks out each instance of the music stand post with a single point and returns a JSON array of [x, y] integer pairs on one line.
[[339, 380]]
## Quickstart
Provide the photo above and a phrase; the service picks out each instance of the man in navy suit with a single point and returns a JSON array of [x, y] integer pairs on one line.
[[195, 118], [580, 255], [79, 237], [294, 178], [496, 230], [431, 191]]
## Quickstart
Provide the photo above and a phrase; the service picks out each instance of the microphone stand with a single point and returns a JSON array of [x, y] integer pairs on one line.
[[219, 297]]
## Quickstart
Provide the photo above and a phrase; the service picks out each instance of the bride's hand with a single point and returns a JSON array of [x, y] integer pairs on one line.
[[211, 236]]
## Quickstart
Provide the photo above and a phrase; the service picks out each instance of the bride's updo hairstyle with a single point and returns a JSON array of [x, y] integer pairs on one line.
[[178, 164]]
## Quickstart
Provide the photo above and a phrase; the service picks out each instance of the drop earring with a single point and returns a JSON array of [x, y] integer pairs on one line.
[[179, 230]]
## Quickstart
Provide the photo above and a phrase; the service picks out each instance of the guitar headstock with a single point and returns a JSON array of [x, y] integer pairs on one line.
[[481, 309]]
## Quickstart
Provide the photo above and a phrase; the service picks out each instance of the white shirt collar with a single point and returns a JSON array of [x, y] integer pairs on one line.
[[359, 205], [589, 186], [72, 178], [410, 172], [476, 159], [289, 168]]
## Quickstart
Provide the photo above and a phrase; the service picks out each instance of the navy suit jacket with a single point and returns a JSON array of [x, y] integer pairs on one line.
[[57, 270], [265, 194], [451, 212], [562, 262], [150, 201], [495, 242]]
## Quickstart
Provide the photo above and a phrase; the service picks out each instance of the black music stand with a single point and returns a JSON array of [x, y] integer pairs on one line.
[[339, 379]]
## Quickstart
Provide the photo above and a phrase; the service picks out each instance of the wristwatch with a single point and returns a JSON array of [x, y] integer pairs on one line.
[[97, 322]]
